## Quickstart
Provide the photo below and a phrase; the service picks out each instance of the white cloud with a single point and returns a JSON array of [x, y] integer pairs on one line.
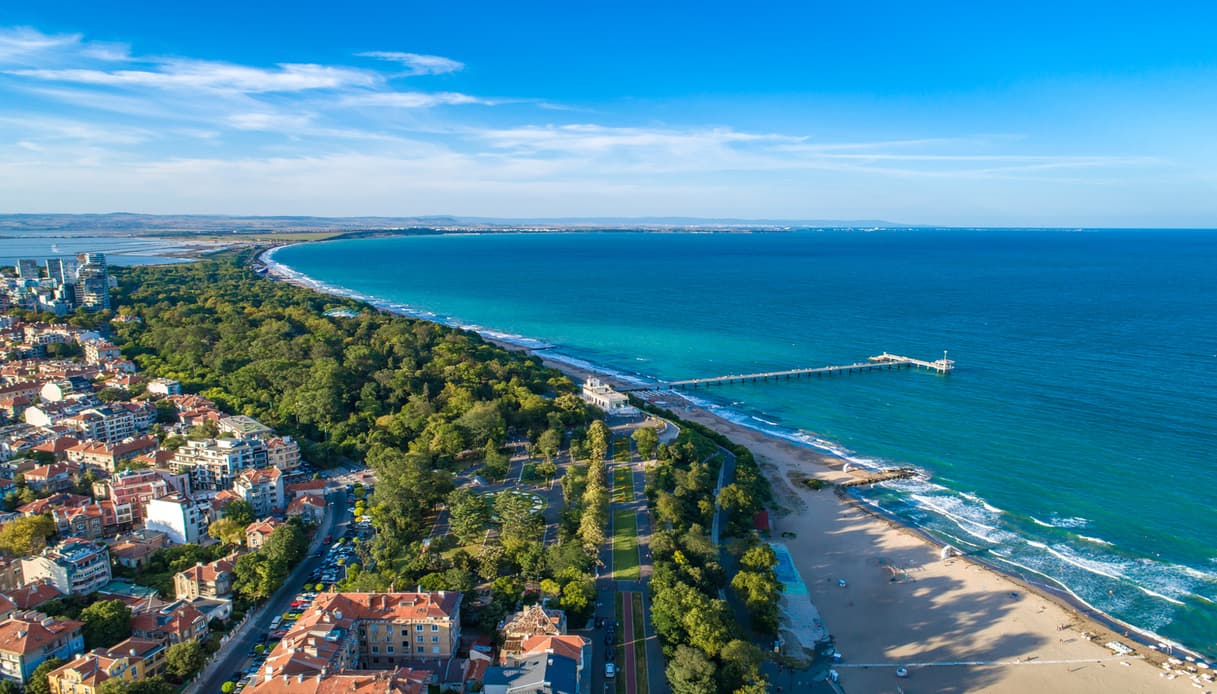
[[415, 99], [209, 75], [20, 43], [417, 63]]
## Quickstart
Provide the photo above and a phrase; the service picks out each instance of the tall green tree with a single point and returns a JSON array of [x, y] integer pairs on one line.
[[598, 439], [26, 535], [37, 683], [468, 514], [646, 440], [184, 659], [691, 672], [106, 622]]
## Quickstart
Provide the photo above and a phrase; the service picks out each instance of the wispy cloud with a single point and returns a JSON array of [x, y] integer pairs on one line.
[[20, 43], [415, 99], [417, 63], [209, 75]]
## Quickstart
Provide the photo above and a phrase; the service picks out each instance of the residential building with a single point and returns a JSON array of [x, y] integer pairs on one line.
[[74, 566], [283, 452], [399, 681], [56, 477], [98, 351], [242, 426], [544, 673], [342, 632], [214, 464], [258, 532], [180, 517], [131, 555], [212, 580], [109, 423], [11, 577], [137, 487], [29, 638], [262, 489], [164, 386], [92, 282], [86, 673], [308, 507], [173, 623], [533, 620], [33, 594], [107, 456]]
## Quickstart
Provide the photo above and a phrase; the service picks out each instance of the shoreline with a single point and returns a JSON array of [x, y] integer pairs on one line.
[[780, 457]]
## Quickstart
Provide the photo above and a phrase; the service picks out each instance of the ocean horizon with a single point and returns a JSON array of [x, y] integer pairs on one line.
[[1069, 447]]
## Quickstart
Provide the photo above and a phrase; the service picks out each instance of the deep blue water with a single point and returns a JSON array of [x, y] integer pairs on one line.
[[1075, 440]]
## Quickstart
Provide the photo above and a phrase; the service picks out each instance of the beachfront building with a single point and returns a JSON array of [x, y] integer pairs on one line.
[[180, 517], [600, 395], [74, 566]]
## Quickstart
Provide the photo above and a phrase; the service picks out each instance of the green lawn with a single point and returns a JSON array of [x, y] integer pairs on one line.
[[623, 485], [625, 545]]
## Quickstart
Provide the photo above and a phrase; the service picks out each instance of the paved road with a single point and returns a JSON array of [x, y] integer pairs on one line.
[[236, 652]]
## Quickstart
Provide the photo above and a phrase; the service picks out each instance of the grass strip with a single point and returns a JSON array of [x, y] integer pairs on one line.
[[625, 545], [640, 646]]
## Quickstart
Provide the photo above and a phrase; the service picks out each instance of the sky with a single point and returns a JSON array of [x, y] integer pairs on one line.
[[1035, 114]]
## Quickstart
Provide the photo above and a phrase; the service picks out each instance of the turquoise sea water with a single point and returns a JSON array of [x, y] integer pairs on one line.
[[1076, 442]]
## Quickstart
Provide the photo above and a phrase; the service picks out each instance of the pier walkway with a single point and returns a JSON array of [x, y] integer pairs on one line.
[[881, 362]]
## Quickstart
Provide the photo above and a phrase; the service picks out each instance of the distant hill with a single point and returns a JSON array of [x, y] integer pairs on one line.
[[123, 223]]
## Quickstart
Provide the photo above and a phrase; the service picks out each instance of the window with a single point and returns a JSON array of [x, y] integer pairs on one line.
[[418, 627], [389, 649], [422, 649], [435, 649], [375, 649], [434, 627], [434, 639], [420, 639]]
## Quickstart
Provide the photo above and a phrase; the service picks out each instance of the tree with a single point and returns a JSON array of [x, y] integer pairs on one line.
[[490, 557], [286, 545], [9, 687], [646, 440], [184, 659], [468, 514], [691, 672], [578, 597], [239, 511], [227, 688], [516, 516], [106, 623], [741, 664], [598, 439], [37, 683], [228, 531], [27, 535], [548, 443]]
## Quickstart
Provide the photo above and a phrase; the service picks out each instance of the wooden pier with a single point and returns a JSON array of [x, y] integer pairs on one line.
[[882, 362]]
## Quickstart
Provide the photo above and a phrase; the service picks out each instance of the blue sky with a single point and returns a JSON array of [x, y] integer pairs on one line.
[[1045, 114]]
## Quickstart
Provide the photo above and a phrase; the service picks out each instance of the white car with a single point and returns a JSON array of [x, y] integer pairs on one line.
[[610, 671]]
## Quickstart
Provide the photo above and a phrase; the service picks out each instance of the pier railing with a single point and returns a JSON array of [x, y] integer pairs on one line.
[[881, 362]]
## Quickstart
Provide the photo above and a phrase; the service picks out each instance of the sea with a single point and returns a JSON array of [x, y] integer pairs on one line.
[[119, 250], [1074, 444]]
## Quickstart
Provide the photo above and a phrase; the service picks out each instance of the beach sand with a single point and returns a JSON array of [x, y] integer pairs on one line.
[[956, 625]]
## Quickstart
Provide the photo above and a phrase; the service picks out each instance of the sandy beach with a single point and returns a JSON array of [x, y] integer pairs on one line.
[[956, 625]]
